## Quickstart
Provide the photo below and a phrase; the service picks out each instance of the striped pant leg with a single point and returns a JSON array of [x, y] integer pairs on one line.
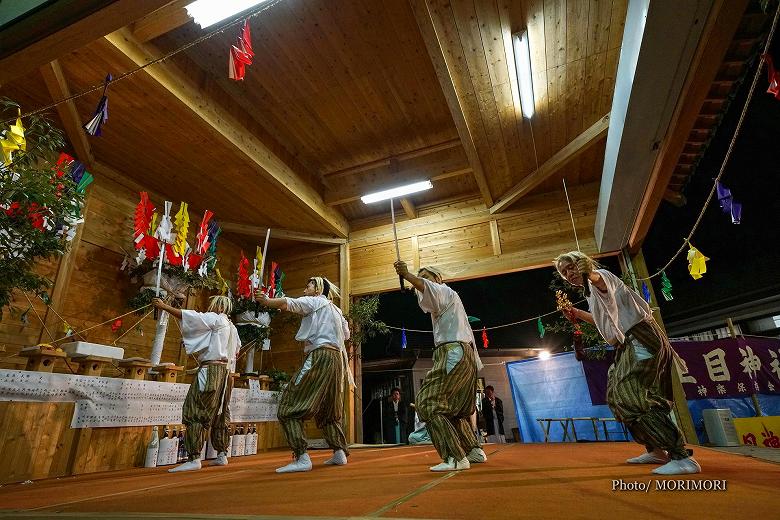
[[447, 400], [638, 400], [330, 416], [220, 434], [306, 394], [200, 407]]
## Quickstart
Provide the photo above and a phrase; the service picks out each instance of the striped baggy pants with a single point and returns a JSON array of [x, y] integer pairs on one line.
[[447, 399], [639, 389], [201, 410], [315, 391]]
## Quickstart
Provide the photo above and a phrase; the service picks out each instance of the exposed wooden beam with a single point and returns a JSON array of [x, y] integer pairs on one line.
[[564, 156], [495, 237], [58, 88], [719, 30], [161, 21], [66, 37], [346, 194], [432, 39], [269, 164], [388, 160], [260, 231], [409, 208]]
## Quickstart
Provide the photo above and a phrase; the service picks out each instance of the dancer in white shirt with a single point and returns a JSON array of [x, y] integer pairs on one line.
[[213, 339], [317, 389]]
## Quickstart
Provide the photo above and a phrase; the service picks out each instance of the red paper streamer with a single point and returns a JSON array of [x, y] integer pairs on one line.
[[485, 341], [241, 54], [774, 77], [243, 286]]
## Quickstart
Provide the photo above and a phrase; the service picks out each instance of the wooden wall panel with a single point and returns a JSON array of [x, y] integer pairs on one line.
[[457, 238]]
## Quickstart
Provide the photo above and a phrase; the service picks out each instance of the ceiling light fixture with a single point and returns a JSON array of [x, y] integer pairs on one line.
[[396, 192], [522, 53], [209, 12]]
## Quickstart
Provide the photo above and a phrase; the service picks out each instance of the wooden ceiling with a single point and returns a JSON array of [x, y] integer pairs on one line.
[[340, 102]]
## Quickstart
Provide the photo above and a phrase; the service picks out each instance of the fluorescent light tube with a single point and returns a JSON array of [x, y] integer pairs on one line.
[[209, 12], [523, 67], [396, 192]]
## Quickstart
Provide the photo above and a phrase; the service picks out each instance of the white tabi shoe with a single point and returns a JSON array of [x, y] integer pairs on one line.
[[687, 466], [451, 465], [657, 456], [339, 458], [221, 459], [302, 463], [192, 465], [477, 455]]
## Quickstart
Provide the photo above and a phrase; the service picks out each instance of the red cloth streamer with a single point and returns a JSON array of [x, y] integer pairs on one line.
[[241, 54], [243, 286], [774, 77], [63, 162], [116, 325], [485, 341]]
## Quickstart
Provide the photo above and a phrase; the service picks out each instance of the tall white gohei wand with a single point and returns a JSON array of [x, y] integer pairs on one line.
[[163, 235]]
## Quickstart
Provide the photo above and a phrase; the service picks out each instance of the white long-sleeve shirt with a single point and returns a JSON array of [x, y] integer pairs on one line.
[[450, 322], [322, 323], [210, 337], [616, 310]]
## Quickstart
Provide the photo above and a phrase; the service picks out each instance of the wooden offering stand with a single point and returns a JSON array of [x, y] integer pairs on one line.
[[41, 358]]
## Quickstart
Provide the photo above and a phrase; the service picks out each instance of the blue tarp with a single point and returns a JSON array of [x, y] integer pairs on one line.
[[557, 387], [550, 388]]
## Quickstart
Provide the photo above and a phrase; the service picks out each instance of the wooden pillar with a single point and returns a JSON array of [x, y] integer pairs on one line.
[[636, 267]]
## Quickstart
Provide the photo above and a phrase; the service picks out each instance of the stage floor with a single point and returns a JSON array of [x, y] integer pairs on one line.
[[518, 481]]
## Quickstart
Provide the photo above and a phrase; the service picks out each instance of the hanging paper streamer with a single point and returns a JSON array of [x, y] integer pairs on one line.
[[645, 292], [240, 54], [256, 265], [243, 287], [774, 77], [203, 233], [182, 221], [728, 204], [666, 287], [214, 231], [540, 327], [403, 338], [142, 220], [272, 280], [485, 341], [697, 263], [94, 125], [223, 285], [13, 141]]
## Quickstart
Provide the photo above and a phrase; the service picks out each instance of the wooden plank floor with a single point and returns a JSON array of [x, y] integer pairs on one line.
[[518, 481]]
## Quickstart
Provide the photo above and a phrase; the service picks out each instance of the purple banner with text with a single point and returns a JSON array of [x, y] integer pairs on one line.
[[730, 367]]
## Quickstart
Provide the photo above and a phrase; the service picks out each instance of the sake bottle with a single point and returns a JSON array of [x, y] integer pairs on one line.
[[152, 450]]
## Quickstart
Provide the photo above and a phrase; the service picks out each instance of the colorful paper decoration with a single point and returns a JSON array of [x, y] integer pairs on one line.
[[94, 125], [272, 280], [203, 233], [223, 285], [116, 325], [645, 292], [774, 77], [240, 54], [485, 341], [243, 287], [697, 265], [182, 222], [666, 287], [540, 327], [142, 220], [403, 338], [13, 141], [728, 204], [163, 233], [256, 263]]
